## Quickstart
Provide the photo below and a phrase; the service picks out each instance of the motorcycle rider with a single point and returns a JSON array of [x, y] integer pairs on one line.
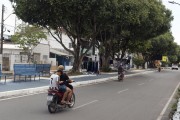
[[64, 77], [57, 84], [120, 69]]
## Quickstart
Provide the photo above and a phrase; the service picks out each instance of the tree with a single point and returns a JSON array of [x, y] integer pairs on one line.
[[28, 37], [138, 60], [134, 22], [162, 45], [116, 22], [80, 20]]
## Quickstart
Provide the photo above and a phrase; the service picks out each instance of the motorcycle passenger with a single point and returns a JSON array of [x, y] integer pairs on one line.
[[54, 82], [57, 84]]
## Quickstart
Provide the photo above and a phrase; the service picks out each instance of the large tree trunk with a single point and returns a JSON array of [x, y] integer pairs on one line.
[[105, 64], [76, 64], [77, 58], [105, 60]]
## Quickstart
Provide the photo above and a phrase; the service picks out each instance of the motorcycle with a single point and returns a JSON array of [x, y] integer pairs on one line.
[[54, 98], [159, 69], [120, 76]]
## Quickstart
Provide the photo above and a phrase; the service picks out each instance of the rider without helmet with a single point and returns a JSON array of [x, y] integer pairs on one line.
[[61, 67]]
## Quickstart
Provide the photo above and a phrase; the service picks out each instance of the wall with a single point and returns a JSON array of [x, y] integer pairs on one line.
[[55, 44], [43, 49]]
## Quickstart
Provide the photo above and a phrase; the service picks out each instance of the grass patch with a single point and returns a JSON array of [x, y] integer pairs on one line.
[[174, 105]]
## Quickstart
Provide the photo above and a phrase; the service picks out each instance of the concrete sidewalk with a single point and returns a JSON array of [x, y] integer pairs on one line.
[[23, 88]]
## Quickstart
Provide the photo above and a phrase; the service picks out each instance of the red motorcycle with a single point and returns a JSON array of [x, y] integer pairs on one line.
[[54, 98]]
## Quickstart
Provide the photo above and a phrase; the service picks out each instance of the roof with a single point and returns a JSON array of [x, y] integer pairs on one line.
[[11, 46], [58, 52]]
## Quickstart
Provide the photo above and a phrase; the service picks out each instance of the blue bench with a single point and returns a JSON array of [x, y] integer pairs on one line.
[[31, 70], [2, 75], [26, 70], [39, 69], [46, 68]]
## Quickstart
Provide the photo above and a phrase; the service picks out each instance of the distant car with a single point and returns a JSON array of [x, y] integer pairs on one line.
[[174, 66]]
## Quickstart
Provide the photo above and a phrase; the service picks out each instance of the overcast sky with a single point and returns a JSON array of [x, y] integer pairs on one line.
[[10, 21]]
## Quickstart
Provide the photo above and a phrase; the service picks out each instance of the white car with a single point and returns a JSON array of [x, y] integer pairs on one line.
[[174, 66]]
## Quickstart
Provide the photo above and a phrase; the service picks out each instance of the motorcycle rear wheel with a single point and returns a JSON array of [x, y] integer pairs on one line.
[[120, 78]]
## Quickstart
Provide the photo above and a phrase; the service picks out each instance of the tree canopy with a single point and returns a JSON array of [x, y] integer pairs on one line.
[[118, 25]]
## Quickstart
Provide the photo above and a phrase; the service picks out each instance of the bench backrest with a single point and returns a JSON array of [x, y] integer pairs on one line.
[[46, 67], [39, 68], [20, 69], [31, 68]]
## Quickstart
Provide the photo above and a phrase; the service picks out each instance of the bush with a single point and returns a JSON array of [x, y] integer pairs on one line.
[[138, 61], [174, 105], [106, 69]]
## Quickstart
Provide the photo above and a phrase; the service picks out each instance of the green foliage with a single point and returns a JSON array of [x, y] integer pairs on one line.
[[119, 25], [138, 60], [174, 105], [28, 37], [105, 69], [173, 58], [80, 20], [161, 45]]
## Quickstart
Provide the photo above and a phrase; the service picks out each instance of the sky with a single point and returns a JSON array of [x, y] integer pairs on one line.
[[10, 21]]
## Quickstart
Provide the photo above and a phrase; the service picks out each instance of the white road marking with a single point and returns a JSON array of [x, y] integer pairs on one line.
[[85, 104], [167, 104], [123, 91], [141, 84]]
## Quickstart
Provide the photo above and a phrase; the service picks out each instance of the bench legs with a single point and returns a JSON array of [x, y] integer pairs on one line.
[[5, 79], [14, 77]]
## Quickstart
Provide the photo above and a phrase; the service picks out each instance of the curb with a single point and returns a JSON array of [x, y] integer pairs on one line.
[[43, 89]]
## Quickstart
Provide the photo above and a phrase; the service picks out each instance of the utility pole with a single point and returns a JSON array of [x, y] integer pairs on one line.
[[2, 27]]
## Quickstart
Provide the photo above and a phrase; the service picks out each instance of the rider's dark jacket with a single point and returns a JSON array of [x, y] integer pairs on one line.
[[64, 77]]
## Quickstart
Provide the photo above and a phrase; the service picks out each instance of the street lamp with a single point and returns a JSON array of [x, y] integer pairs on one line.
[[172, 2]]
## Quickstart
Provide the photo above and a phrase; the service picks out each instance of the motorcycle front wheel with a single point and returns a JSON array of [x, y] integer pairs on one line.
[[52, 107]]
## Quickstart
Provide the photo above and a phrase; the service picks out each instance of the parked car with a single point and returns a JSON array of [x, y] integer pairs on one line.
[[174, 66]]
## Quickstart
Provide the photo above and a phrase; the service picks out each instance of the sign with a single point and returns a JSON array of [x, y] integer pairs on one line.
[[164, 58]]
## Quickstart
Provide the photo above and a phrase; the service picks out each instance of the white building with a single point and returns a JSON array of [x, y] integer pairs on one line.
[[47, 52]]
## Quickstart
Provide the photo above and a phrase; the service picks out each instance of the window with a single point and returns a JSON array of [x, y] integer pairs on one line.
[[70, 45]]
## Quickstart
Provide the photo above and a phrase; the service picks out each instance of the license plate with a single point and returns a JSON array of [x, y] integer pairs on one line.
[[49, 98]]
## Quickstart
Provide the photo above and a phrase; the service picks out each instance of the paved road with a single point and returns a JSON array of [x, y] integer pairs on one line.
[[141, 97]]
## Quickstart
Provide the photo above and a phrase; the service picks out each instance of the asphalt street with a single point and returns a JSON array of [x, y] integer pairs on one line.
[[140, 97]]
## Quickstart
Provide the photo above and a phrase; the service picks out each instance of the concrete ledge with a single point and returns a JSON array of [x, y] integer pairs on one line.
[[45, 88]]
